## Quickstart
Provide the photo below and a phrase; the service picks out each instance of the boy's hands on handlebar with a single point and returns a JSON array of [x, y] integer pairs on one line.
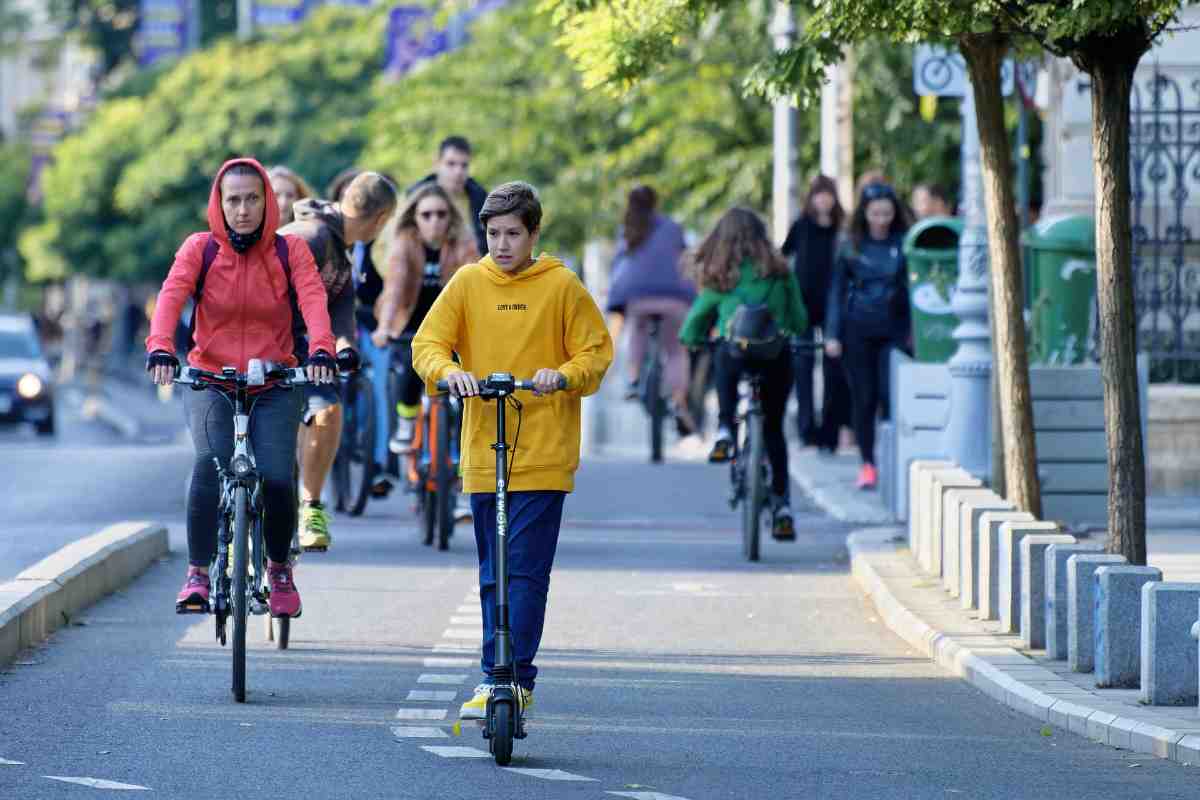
[[548, 381], [322, 368], [162, 366], [462, 384]]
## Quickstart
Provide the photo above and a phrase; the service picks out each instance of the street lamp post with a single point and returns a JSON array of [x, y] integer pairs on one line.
[[783, 29]]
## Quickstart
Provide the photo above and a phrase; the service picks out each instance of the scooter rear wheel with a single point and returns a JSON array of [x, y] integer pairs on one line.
[[503, 732]]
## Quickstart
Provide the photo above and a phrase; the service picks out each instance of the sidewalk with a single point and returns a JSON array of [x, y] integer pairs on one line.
[[916, 609], [135, 410]]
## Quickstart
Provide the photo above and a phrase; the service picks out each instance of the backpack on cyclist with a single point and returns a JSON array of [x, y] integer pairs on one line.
[[211, 248], [754, 335]]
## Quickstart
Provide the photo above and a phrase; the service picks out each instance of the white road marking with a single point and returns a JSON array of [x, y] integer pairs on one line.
[[444, 680], [469, 608], [421, 713], [100, 783], [450, 662], [548, 774], [417, 732], [427, 695], [469, 634], [456, 752], [454, 647], [476, 620], [4, 762], [647, 795]]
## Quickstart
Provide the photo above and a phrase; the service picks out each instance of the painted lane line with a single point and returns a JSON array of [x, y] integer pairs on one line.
[[476, 620], [417, 732], [548, 774], [443, 680], [456, 752], [99, 783], [450, 662], [425, 695], [469, 634], [469, 608], [4, 762], [647, 795], [421, 713]]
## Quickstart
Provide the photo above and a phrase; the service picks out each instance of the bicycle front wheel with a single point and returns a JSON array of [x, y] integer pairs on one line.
[[241, 608], [752, 503], [445, 477]]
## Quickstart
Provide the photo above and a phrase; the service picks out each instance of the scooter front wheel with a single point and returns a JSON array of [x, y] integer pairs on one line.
[[503, 732]]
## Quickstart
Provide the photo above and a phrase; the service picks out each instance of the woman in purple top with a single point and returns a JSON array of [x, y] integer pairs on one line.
[[647, 282]]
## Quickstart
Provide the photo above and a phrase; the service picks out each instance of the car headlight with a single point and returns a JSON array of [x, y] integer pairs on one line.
[[30, 386]]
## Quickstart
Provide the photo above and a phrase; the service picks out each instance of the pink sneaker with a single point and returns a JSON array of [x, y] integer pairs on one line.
[[284, 600], [868, 477], [193, 597]]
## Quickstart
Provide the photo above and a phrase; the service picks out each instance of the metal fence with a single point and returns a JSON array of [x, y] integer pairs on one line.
[[1165, 171]]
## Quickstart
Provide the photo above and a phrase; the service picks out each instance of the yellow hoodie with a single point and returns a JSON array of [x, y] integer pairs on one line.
[[540, 318]]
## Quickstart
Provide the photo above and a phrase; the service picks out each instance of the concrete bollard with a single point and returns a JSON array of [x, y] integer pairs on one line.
[[1033, 585], [989, 558], [1009, 568], [970, 543], [918, 472], [939, 483], [1055, 572], [1118, 624], [952, 503], [1169, 656], [1081, 608]]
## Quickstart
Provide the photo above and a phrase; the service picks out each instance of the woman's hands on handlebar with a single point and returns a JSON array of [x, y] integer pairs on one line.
[[162, 366]]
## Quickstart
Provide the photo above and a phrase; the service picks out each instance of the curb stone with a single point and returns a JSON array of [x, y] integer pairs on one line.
[[990, 663], [44, 597]]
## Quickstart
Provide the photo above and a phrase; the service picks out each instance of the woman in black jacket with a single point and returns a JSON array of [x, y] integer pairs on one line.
[[868, 312], [811, 245]]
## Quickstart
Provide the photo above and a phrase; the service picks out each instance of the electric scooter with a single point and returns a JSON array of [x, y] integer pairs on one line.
[[505, 719]]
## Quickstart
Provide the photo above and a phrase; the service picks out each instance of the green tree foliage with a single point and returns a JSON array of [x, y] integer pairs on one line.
[[14, 178], [124, 192], [108, 26]]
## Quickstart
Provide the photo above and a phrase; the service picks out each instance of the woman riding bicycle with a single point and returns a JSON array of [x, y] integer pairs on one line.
[[431, 241], [244, 312], [646, 283], [737, 267]]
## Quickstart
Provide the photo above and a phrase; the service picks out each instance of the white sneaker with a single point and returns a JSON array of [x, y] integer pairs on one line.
[[402, 439], [462, 508]]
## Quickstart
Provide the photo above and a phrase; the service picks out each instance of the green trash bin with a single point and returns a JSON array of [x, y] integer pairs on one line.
[[931, 249], [1062, 290]]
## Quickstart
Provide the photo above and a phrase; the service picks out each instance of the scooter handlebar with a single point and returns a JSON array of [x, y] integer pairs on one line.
[[498, 383]]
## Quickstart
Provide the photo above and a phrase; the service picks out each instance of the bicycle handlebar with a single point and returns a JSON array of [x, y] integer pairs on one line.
[[200, 378]]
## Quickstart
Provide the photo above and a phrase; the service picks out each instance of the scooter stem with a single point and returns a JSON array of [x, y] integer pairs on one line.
[[505, 669]]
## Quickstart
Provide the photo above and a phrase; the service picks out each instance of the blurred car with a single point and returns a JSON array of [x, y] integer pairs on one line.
[[26, 391]]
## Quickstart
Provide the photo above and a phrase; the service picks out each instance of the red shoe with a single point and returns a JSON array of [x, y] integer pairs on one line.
[[284, 600], [193, 597], [868, 477]]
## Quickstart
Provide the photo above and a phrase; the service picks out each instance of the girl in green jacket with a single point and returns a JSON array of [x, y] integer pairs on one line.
[[737, 265]]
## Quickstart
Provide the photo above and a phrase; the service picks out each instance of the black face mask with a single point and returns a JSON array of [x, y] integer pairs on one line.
[[244, 241]]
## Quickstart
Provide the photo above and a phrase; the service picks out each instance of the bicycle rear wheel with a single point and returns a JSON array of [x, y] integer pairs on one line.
[[240, 599], [752, 503], [656, 408]]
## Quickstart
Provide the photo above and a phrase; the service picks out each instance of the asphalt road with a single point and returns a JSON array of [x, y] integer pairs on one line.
[[670, 668]]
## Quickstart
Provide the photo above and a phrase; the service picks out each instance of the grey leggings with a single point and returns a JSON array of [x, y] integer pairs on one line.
[[274, 419]]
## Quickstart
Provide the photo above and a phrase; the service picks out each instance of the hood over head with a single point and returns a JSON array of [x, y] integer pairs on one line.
[[216, 216], [541, 265]]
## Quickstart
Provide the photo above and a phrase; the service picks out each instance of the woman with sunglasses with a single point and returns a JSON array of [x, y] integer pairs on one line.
[[868, 313], [430, 242]]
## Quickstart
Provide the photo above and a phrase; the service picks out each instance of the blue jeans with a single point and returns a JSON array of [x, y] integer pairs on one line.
[[534, 519], [380, 360]]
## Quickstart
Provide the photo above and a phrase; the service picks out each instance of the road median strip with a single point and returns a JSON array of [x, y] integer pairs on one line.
[[47, 595], [935, 626]]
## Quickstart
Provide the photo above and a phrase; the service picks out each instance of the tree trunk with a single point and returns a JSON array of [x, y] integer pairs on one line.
[[984, 54], [1111, 67]]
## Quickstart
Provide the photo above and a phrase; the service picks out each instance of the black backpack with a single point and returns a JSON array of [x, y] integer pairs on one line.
[[754, 335], [211, 248]]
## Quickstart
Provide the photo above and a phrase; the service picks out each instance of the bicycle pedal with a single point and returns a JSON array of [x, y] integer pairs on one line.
[[191, 607]]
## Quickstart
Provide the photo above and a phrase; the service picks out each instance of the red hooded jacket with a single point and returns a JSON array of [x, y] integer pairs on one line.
[[245, 312]]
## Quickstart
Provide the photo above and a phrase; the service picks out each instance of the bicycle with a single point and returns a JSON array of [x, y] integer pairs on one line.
[[650, 393], [240, 588], [505, 719], [749, 484], [354, 465]]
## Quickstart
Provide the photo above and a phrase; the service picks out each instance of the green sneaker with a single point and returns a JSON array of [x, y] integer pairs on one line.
[[314, 527]]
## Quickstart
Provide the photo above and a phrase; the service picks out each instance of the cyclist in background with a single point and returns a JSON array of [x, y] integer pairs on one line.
[[430, 242], [738, 266], [329, 229], [243, 312], [289, 189], [452, 172], [647, 282]]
